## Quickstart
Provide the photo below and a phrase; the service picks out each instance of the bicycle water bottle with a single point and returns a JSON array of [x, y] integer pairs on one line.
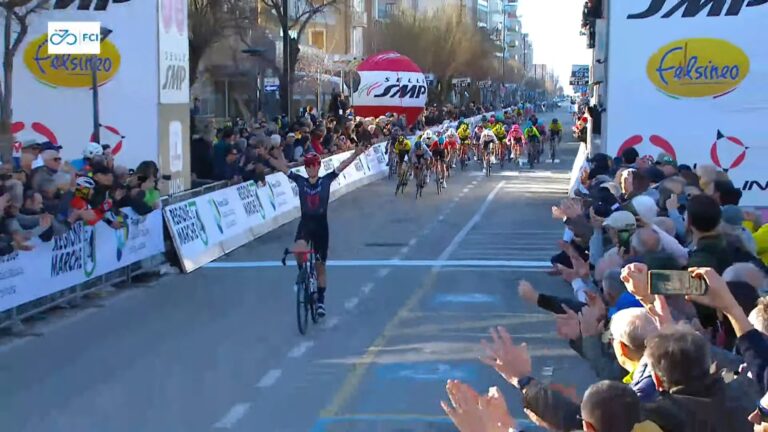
[[313, 284]]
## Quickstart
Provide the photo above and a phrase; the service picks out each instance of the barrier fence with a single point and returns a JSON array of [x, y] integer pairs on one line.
[[203, 224]]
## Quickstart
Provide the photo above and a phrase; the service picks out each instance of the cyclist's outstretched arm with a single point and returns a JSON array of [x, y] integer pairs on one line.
[[348, 161]]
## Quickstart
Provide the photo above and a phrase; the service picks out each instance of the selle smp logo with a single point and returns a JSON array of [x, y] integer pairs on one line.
[[96, 5], [693, 8]]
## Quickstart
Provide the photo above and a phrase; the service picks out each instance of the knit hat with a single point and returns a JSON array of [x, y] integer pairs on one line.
[[732, 215]]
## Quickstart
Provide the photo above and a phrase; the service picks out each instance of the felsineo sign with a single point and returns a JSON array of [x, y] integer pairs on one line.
[[693, 80]]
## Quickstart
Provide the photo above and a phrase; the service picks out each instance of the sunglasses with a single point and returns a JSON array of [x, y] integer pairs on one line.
[[57, 159]]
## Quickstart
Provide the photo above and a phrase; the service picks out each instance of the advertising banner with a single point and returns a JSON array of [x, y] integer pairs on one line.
[[174, 51], [84, 252], [692, 86]]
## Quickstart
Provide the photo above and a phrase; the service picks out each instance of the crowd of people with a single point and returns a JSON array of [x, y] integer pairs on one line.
[[239, 151], [663, 361], [42, 196]]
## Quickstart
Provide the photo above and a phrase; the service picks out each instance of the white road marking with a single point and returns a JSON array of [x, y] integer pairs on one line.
[[466, 189], [394, 263], [270, 378], [351, 303], [300, 349], [383, 272], [472, 222], [441, 217], [233, 416], [404, 250], [367, 288], [332, 322], [412, 242], [455, 199]]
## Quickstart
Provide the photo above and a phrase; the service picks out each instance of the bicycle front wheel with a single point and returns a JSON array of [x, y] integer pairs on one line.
[[302, 304]]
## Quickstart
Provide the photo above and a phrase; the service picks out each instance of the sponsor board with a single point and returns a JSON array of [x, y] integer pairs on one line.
[[82, 253], [698, 67], [692, 86]]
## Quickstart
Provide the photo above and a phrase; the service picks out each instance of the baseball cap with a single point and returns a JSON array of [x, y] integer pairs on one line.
[[613, 187], [605, 203], [732, 215], [29, 143], [666, 159], [47, 145], [621, 220]]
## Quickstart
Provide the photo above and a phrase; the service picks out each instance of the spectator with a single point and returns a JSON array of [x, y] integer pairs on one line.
[[230, 170], [709, 247], [680, 361], [51, 165], [201, 152], [611, 407], [221, 154], [630, 328]]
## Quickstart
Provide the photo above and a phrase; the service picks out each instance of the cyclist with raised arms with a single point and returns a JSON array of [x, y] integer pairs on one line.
[[314, 194]]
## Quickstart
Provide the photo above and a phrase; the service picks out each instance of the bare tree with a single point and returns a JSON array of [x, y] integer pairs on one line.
[[15, 29], [464, 50], [292, 25], [211, 21]]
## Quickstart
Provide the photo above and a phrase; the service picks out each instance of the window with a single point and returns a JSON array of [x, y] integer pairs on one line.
[[317, 38]]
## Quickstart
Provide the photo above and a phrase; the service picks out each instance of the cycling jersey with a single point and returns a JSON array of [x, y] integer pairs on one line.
[[451, 144], [403, 145], [463, 132], [532, 132], [555, 128], [418, 155]]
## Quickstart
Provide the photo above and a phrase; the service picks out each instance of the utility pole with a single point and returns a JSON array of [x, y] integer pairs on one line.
[[286, 59]]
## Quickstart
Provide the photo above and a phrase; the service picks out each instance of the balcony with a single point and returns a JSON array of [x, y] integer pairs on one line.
[[359, 19]]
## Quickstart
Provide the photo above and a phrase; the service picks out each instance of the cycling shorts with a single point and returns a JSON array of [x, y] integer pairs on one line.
[[314, 230], [401, 155], [439, 154], [487, 145]]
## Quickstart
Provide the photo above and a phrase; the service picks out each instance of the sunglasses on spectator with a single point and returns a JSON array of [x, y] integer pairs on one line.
[[57, 159]]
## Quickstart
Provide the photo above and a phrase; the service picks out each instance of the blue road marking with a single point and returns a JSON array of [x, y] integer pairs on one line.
[[427, 371]]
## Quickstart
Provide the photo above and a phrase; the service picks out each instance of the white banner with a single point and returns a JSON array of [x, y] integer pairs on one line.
[[391, 88], [174, 51], [84, 252], [692, 86]]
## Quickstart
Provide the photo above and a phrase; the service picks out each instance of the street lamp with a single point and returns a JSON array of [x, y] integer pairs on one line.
[[105, 32], [256, 52]]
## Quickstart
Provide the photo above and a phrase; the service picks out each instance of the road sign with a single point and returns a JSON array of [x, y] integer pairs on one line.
[[271, 84]]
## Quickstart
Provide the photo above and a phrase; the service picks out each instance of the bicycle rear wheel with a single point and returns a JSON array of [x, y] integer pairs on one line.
[[302, 303]]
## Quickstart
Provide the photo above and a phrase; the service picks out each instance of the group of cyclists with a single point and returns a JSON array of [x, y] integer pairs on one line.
[[499, 137]]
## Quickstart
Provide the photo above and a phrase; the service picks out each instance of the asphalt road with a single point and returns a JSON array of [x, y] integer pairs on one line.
[[413, 287]]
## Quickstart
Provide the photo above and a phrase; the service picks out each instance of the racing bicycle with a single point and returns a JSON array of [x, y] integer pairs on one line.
[[306, 287], [554, 140], [420, 174], [403, 180]]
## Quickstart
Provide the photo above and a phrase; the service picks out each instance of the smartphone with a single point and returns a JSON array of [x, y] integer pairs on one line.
[[624, 237], [675, 282]]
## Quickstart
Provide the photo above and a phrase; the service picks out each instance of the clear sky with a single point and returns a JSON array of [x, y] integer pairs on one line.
[[553, 27]]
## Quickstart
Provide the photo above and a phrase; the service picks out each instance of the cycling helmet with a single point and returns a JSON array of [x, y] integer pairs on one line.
[[554, 120], [484, 118], [492, 120], [451, 132], [428, 135], [400, 138], [85, 183], [312, 158], [92, 149], [516, 127], [418, 145]]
